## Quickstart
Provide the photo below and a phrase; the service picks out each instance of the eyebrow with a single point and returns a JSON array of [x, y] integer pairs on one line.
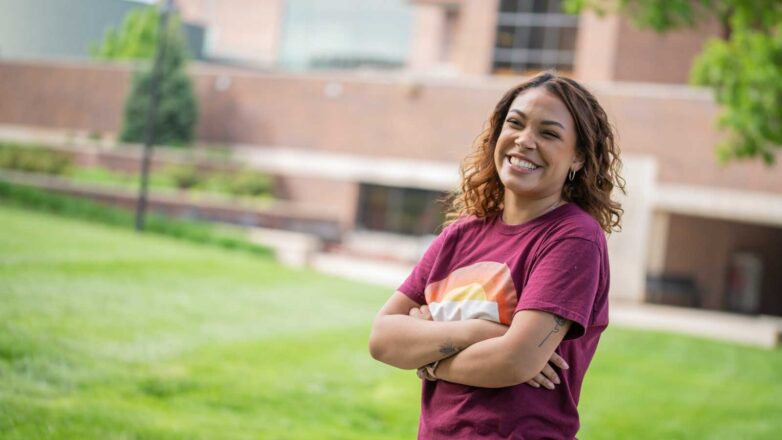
[[546, 122]]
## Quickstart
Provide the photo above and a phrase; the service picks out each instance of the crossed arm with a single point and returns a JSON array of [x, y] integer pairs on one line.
[[472, 352]]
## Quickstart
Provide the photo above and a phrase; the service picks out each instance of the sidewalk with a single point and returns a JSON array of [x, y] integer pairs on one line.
[[761, 331]]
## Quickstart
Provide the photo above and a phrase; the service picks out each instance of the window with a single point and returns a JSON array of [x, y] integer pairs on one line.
[[534, 35], [345, 34], [401, 210]]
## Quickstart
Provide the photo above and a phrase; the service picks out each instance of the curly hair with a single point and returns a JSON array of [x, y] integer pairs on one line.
[[481, 192]]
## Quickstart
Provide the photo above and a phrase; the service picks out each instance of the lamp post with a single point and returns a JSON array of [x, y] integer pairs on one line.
[[154, 98]]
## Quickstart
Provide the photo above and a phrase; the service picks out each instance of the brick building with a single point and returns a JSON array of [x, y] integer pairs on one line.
[[375, 148]]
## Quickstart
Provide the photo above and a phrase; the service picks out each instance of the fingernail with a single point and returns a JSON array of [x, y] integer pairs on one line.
[[556, 380], [549, 385], [566, 366]]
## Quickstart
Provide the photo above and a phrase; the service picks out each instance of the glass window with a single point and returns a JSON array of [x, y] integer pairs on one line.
[[540, 6], [402, 210], [345, 34], [534, 35], [509, 5], [505, 36], [567, 39]]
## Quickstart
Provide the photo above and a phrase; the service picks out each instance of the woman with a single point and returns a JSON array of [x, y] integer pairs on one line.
[[516, 285]]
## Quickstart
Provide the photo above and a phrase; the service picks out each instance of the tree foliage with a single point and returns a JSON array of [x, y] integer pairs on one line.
[[136, 39], [743, 67]]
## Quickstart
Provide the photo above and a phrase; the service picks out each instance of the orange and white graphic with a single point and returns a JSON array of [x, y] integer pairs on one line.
[[482, 290]]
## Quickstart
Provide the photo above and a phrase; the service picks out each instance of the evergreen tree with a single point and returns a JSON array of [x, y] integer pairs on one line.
[[136, 39]]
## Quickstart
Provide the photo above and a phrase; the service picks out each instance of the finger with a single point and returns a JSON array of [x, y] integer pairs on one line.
[[543, 381], [415, 312], [558, 361], [426, 313], [550, 374], [533, 384]]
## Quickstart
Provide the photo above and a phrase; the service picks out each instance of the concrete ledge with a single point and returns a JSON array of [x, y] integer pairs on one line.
[[763, 331], [385, 274], [298, 217], [290, 248], [386, 246]]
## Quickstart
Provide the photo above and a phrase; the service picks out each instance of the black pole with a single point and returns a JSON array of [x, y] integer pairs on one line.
[[154, 99]]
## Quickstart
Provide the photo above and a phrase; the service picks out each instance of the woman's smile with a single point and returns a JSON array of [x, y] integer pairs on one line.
[[536, 147], [521, 165]]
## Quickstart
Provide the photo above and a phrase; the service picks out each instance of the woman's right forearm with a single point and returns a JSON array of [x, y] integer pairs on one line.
[[406, 342]]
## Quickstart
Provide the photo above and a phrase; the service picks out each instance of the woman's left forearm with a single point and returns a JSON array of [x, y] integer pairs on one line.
[[484, 364]]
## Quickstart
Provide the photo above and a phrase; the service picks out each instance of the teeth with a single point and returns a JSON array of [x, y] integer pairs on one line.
[[522, 163]]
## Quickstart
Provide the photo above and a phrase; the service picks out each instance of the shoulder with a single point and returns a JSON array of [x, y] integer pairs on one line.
[[466, 223], [576, 223]]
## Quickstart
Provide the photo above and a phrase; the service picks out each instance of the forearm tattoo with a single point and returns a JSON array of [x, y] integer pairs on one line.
[[448, 349], [558, 323]]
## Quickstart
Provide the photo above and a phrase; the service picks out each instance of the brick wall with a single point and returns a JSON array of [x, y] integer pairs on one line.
[[377, 114]]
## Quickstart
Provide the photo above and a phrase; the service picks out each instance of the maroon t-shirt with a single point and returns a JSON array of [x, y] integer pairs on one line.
[[486, 269]]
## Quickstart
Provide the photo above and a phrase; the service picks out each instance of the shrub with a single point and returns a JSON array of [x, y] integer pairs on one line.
[[249, 183], [34, 159], [186, 176]]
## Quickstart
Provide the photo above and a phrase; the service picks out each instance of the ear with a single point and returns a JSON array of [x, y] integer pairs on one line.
[[578, 162]]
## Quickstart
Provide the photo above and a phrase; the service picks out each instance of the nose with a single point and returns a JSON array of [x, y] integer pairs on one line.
[[524, 139]]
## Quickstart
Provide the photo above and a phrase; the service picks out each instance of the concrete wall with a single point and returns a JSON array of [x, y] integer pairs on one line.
[[627, 249], [338, 199]]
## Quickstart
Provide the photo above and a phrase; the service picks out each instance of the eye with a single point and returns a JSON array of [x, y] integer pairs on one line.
[[514, 121], [550, 134]]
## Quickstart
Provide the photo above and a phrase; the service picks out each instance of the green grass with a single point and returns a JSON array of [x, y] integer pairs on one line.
[[227, 236], [164, 182], [105, 334], [103, 176]]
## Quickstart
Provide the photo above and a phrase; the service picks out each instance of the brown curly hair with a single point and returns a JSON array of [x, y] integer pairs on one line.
[[481, 192]]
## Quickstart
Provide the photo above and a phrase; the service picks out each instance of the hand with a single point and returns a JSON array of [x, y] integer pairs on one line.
[[548, 377], [421, 313]]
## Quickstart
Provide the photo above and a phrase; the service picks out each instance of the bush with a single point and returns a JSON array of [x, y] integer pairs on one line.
[[249, 183], [34, 159], [186, 176]]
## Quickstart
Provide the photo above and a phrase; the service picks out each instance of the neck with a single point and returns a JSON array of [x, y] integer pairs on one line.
[[517, 210]]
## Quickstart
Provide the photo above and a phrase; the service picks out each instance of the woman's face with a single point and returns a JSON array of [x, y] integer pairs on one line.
[[537, 145]]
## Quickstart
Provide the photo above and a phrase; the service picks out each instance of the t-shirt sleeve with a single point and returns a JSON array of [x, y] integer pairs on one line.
[[415, 284], [564, 280]]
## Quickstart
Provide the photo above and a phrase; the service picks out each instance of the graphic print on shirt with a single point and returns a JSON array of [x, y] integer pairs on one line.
[[482, 290]]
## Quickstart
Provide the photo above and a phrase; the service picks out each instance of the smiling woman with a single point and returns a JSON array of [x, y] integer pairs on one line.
[[516, 285], [535, 150]]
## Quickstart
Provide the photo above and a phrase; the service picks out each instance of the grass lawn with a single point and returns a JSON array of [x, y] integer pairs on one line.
[[164, 182], [108, 335]]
